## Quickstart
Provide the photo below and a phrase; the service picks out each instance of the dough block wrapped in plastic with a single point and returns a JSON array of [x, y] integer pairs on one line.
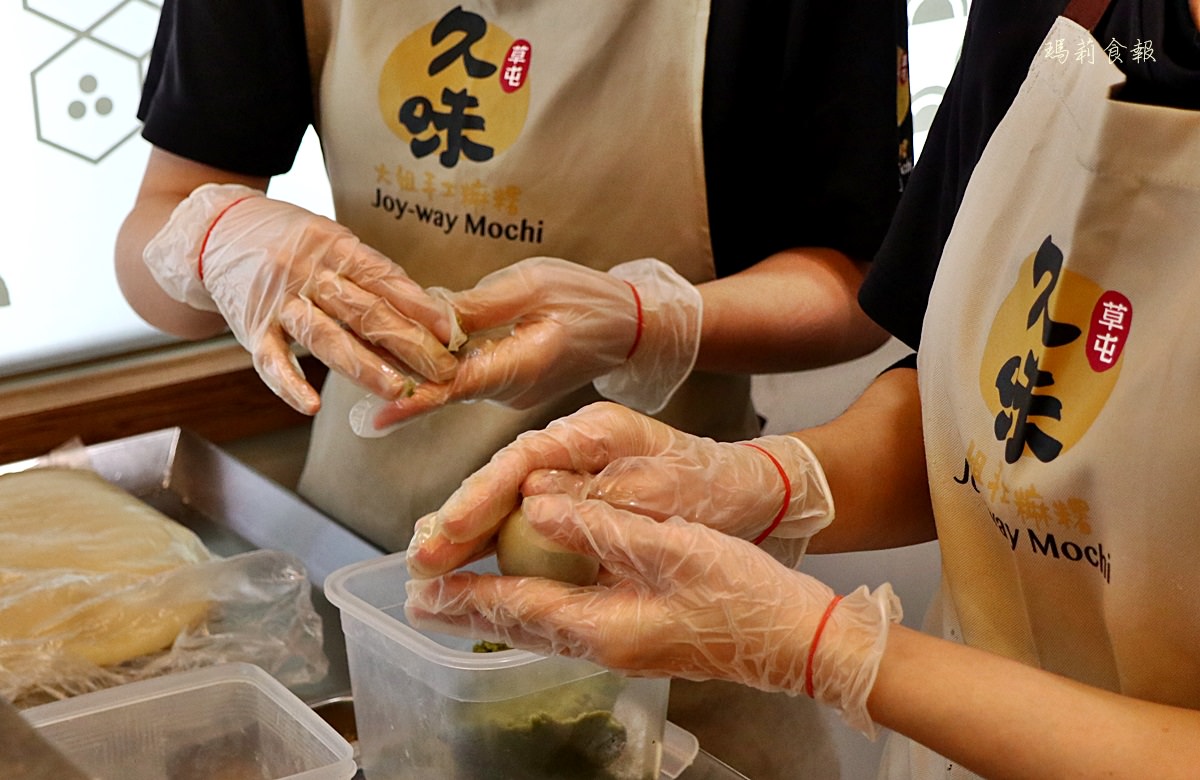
[[98, 588]]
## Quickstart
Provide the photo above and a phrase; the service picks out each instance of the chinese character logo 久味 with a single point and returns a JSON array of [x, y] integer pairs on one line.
[[1046, 369], [457, 89]]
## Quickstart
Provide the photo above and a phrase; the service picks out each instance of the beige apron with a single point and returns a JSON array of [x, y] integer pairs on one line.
[[591, 151], [1058, 375], [580, 156]]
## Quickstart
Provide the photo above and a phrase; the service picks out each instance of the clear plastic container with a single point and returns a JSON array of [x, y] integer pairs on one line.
[[227, 721], [427, 706]]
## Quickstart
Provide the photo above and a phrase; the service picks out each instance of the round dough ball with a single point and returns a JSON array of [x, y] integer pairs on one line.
[[523, 552]]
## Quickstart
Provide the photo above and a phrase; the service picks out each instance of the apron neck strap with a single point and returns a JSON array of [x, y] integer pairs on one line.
[[1086, 13]]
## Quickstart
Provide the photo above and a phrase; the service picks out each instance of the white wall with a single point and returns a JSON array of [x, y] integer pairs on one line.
[[70, 80]]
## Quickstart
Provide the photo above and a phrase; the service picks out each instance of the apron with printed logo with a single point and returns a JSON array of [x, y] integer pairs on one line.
[[462, 138], [1058, 374]]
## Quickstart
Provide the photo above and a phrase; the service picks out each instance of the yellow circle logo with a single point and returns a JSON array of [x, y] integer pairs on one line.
[[1045, 373], [457, 89]]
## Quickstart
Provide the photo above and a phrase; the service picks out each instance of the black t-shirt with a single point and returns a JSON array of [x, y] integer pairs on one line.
[[1001, 39], [799, 111]]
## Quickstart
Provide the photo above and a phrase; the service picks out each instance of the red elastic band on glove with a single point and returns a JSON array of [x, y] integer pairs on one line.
[[207, 233], [787, 493], [641, 322], [812, 648]]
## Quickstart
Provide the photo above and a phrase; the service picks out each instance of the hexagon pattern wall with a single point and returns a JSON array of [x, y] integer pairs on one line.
[[86, 94]]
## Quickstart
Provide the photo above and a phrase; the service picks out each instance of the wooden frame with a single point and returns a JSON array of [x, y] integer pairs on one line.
[[208, 387]]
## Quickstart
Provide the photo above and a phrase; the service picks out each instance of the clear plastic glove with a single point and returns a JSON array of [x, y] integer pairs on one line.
[[770, 490], [544, 327], [279, 274], [677, 599]]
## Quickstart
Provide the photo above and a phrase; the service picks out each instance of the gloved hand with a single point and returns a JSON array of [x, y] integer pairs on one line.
[[676, 599], [544, 326], [279, 273], [770, 490]]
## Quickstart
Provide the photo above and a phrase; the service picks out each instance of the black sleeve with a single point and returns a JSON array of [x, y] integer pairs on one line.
[[1170, 73], [800, 127], [1001, 39], [228, 84]]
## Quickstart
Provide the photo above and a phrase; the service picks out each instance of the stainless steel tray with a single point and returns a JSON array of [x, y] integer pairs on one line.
[[234, 509]]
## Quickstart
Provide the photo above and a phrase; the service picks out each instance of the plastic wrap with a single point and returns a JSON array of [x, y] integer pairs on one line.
[[98, 589]]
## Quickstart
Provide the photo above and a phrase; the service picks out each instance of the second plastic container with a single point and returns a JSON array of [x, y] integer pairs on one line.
[[427, 705], [227, 721]]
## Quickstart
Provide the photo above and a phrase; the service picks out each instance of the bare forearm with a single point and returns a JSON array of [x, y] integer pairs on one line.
[[873, 456], [1003, 719], [793, 311], [167, 181], [139, 287]]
